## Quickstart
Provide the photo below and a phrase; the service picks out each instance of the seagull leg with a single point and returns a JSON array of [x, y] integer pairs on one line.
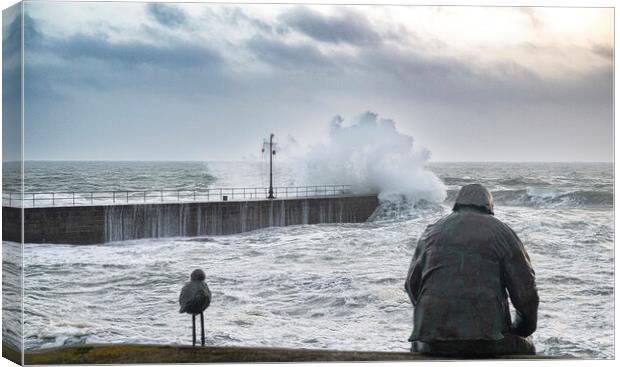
[[193, 330], [202, 328]]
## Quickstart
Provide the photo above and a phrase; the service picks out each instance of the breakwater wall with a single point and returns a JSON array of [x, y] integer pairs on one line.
[[11, 224], [108, 223]]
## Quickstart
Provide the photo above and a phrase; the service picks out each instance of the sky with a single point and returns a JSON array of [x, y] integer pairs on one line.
[[156, 81]]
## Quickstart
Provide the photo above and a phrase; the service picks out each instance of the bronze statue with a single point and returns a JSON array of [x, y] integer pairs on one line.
[[194, 299], [464, 267]]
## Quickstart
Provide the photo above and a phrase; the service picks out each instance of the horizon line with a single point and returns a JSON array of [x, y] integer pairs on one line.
[[248, 160]]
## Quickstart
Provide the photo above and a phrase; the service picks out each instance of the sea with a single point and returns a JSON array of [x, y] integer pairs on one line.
[[327, 286]]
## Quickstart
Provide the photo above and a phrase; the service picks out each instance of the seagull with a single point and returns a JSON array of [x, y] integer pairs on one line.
[[194, 299]]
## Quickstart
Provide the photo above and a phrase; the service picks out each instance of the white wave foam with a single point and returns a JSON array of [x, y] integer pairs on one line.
[[373, 156]]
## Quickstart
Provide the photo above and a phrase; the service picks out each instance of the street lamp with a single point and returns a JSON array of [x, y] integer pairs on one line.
[[272, 152]]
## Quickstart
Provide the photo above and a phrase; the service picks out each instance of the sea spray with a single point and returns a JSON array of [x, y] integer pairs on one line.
[[374, 157]]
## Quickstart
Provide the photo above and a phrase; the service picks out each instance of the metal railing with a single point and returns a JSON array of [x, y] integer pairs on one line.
[[75, 198]]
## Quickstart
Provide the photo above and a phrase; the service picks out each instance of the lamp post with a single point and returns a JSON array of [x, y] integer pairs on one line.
[[272, 152]]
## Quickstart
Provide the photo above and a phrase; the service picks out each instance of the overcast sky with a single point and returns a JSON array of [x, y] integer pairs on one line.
[[139, 81]]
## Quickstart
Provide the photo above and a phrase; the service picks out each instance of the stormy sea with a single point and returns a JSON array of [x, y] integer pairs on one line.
[[333, 286]]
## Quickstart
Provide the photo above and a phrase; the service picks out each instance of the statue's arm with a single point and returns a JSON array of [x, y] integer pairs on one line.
[[520, 281], [414, 275]]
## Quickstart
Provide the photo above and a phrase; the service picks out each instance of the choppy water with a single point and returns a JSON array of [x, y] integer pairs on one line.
[[317, 286]]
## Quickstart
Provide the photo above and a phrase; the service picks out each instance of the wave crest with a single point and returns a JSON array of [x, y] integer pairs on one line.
[[536, 196], [374, 157]]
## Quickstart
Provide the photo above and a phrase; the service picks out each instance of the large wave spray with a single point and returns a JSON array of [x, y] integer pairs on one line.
[[374, 157]]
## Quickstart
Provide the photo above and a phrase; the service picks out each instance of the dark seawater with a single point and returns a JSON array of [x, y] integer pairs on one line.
[[337, 286]]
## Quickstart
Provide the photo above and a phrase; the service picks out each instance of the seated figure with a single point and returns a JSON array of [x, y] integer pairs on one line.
[[464, 267]]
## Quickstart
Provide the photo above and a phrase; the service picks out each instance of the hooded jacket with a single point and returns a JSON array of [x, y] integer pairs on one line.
[[462, 272]]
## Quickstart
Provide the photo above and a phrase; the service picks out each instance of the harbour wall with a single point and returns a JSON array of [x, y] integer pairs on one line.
[[83, 225], [11, 224]]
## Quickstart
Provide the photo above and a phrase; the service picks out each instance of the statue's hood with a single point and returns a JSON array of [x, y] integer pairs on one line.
[[474, 195]]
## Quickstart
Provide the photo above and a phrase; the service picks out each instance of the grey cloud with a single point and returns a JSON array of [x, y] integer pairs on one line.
[[235, 15], [405, 65], [11, 84], [281, 54], [11, 56], [422, 76], [11, 35], [58, 67], [603, 51], [460, 81], [167, 15], [347, 27], [134, 53], [128, 54], [463, 82]]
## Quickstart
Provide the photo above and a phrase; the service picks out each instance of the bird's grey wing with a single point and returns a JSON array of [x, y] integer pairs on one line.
[[185, 297], [207, 295]]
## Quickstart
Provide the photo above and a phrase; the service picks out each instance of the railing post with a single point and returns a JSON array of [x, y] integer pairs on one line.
[[162, 195], [127, 196], [208, 195], [194, 195], [114, 197], [33, 201], [53, 199], [10, 198], [144, 196]]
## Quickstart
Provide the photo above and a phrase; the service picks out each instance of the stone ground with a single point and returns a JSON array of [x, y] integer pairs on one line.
[[137, 353]]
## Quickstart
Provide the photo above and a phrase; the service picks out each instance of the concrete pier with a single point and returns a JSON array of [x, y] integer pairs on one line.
[[107, 223]]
